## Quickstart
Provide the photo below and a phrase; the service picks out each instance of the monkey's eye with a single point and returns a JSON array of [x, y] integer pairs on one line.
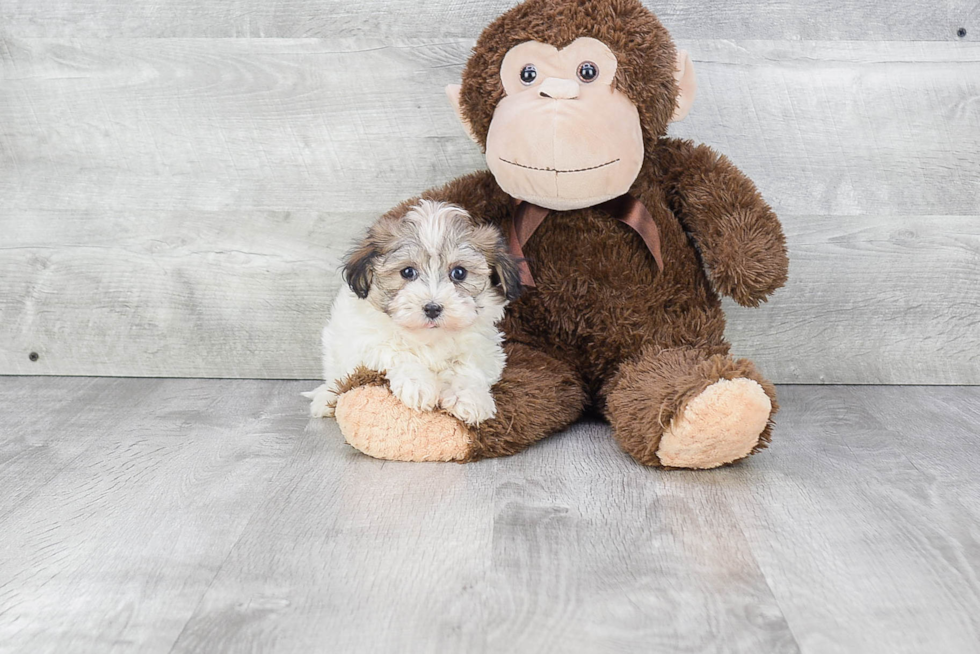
[[587, 71], [457, 274], [410, 273], [528, 74]]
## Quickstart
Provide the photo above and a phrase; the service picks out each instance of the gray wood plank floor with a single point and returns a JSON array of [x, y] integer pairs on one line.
[[158, 515]]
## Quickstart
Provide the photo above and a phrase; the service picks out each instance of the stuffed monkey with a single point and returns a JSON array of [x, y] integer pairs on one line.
[[628, 239]]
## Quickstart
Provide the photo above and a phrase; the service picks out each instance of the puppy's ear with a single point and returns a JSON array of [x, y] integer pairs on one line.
[[359, 267], [506, 272], [503, 266]]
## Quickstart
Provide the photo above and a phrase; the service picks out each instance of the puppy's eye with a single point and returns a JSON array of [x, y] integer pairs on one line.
[[410, 273], [458, 274], [587, 71], [528, 74]]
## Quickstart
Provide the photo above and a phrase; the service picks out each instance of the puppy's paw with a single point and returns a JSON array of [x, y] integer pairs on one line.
[[469, 405], [323, 401], [415, 393]]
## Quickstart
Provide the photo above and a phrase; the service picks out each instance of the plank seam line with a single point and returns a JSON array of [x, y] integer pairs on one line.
[[231, 550], [765, 577]]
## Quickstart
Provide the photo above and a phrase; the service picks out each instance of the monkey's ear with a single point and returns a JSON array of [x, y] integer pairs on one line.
[[687, 85], [358, 269], [452, 92]]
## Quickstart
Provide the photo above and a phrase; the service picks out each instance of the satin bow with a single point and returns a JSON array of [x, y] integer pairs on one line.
[[626, 209]]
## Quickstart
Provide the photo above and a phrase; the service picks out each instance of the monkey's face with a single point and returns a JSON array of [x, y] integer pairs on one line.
[[563, 137], [564, 95]]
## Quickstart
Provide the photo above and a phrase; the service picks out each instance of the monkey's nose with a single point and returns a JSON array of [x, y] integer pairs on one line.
[[559, 89], [432, 310]]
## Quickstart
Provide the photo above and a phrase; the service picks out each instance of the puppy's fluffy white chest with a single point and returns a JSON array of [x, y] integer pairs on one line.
[[427, 369]]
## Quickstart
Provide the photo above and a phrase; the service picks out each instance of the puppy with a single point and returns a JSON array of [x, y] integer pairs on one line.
[[424, 293]]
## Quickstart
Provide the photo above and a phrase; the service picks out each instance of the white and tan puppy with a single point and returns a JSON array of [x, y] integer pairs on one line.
[[424, 293]]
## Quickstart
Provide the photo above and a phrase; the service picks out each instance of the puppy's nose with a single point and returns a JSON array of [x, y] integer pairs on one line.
[[559, 89], [432, 310]]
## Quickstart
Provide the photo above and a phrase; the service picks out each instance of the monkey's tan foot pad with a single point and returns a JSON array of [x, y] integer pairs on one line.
[[722, 424], [375, 422]]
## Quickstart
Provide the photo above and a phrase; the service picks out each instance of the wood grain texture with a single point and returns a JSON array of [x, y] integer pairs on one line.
[[36, 417], [885, 299], [717, 19], [584, 521], [870, 299], [845, 128], [227, 124], [870, 512], [359, 125], [423, 532], [179, 206], [533, 563], [170, 294], [139, 491], [213, 516]]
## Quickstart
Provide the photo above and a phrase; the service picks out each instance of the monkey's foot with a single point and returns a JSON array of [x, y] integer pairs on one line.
[[720, 425], [375, 422]]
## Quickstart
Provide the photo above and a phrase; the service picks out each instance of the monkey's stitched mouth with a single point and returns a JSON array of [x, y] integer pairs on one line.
[[555, 170]]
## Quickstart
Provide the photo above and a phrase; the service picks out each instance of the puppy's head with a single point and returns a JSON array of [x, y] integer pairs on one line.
[[434, 268]]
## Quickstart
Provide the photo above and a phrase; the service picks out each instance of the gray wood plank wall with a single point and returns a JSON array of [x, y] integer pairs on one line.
[[175, 202]]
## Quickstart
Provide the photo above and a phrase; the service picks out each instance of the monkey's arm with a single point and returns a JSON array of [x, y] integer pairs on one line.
[[739, 237]]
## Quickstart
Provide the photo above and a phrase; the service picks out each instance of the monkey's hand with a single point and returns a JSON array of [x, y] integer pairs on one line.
[[738, 236]]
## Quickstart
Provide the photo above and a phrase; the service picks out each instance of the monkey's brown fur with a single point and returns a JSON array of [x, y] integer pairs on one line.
[[603, 328]]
